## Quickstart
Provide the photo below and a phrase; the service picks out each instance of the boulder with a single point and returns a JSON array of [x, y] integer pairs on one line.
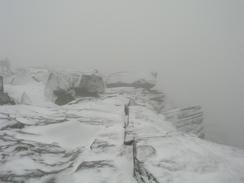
[[56, 82], [5, 99], [63, 97], [62, 88], [90, 85], [124, 79]]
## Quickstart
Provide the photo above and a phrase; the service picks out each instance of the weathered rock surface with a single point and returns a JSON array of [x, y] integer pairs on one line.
[[63, 88], [83, 140], [63, 97], [131, 80], [189, 120], [5, 99], [56, 82], [92, 84], [183, 158]]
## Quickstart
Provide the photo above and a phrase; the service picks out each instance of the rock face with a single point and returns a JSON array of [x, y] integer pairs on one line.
[[90, 84], [56, 82], [4, 98], [83, 141], [132, 80], [63, 97], [63, 88], [188, 120]]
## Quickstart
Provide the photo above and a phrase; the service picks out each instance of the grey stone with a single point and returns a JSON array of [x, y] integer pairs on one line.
[[93, 84], [1, 84]]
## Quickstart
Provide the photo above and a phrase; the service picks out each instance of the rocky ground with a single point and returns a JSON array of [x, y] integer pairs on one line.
[[83, 140], [72, 143]]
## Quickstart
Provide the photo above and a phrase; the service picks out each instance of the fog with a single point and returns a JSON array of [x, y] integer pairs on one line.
[[196, 46]]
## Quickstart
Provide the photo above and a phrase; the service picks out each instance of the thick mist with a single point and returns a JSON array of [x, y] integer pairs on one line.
[[196, 46]]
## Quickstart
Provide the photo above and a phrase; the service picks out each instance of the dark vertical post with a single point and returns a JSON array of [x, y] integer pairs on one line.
[[134, 157], [1, 84], [124, 136]]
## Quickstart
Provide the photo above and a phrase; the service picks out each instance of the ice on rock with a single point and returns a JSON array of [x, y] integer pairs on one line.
[[4, 97], [189, 119], [92, 83], [83, 141], [55, 82], [31, 93], [125, 79]]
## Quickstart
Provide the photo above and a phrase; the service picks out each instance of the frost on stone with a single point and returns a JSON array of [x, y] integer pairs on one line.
[[84, 140], [125, 79]]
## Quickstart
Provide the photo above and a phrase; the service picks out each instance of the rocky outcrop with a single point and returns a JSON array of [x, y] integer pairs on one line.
[[4, 97], [141, 174], [39, 144], [63, 97], [63, 88], [131, 80], [44, 160], [90, 84], [189, 120], [56, 82]]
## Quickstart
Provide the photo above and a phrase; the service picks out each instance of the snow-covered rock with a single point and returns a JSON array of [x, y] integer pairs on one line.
[[82, 141], [92, 83], [124, 79], [189, 120], [21, 77], [74, 143], [31, 93], [55, 82], [62, 88], [182, 159], [5, 99], [39, 74]]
